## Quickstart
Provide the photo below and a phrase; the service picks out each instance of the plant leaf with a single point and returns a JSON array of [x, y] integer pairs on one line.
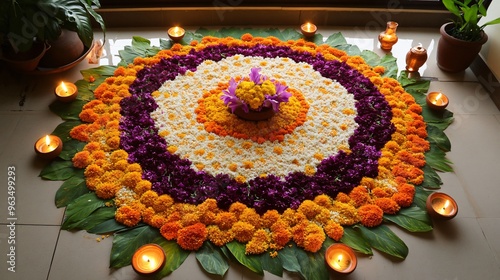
[[70, 190], [420, 198], [350, 49], [208, 32], [391, 66], [438, 137], [383, 239], [97, 217], [355, 240], [211, 259], [80, 209], [252, 262], [67, 111], [175, 256], [431, 178], [63, 129], [370, 58], [84, 91], [127, 242], [108, 226], [436, 158], [412, 219], [336, 39], [289, 258], [70, 148], [272, 265], [313, 264], [59, 170], [290, 34]]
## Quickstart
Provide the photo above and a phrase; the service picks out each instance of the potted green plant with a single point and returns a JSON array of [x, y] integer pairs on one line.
[[462, 39], [27, 24]]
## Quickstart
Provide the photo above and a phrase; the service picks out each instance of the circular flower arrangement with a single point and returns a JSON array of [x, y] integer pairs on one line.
[[345, 148]]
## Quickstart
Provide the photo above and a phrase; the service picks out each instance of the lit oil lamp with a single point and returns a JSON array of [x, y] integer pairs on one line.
[[437, 100], [441, 206], [176, 33], [341, 258], [308, 29], [48, 147], [66, 92], [148, 259]]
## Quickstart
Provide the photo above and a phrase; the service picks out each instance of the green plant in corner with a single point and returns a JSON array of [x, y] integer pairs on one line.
[[468, 13], [23, 22]]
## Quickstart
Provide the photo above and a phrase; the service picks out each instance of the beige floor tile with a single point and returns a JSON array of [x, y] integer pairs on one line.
[[34, 248]]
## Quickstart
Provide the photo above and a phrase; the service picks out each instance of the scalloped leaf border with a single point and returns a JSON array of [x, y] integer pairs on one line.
[[85, 211]]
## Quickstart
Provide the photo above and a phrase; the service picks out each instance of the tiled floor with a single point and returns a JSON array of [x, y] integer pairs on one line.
[[464, 248]]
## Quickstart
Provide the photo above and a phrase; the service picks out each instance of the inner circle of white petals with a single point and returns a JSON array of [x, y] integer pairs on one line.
[[179, 98]]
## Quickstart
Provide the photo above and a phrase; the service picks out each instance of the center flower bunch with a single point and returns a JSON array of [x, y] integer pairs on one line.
[[255, 93]]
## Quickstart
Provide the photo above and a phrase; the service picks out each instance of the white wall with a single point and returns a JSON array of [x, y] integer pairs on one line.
[[491, 50]]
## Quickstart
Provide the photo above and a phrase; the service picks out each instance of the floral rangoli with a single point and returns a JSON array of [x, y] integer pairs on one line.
[[154, 154]]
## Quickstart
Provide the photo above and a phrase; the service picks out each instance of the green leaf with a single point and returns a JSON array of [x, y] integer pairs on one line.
[[127, 242], [313, 264], [84, 91], [420, 198], [166, 44], [189, 37], [70, 148], [431, 178], [211, 259], [208, 32], [370, 58], [175, 256], [290, 34], [289, 259], [98, 72], [67, 111], [436, 158], [275, 32], [272, 265], [108, 226], [80, 209], [438, 137], [317, 39], [70, 190], [141, 44], [96, 218], [355, 240], [350, 49], [252, 262], [77, 19], [383, 239], [440, 120], [391, 66], [412, 219], [235, 32], [59, 170], [63, 129], [336, 39]]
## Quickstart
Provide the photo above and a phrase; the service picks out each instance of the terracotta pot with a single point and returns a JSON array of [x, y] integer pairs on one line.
[[25, 61], [262, 115], [455, 55], [64, 50]]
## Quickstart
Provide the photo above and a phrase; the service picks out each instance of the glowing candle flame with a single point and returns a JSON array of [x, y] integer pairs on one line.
[[446, 204], [47, 141], [63, 86]]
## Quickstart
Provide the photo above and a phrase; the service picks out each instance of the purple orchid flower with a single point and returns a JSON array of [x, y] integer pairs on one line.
[[256, 77]]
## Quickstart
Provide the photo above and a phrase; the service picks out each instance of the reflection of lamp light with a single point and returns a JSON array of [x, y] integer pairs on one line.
[[176, 33], [441, 206], [415, 58], [66, 92], [308, 29], [388, 37], [341, 258], [48, 147], [436, 100], [148, 259]]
